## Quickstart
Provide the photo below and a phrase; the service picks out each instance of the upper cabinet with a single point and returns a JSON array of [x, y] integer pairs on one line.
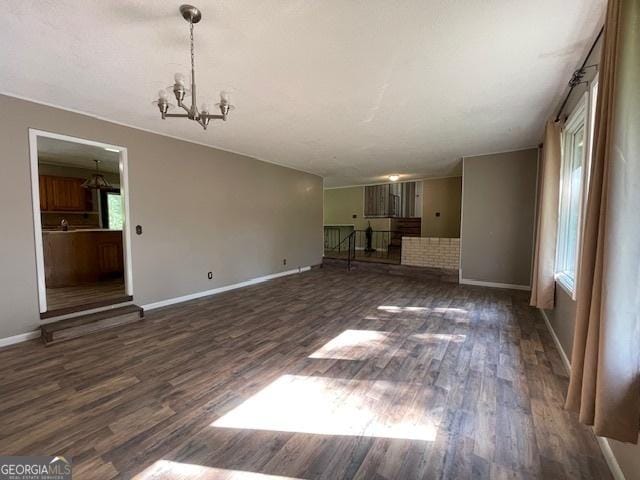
[[43, 193], [64, 194]]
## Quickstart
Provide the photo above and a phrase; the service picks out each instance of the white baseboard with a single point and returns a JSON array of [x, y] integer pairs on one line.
[[611, 459], [563, 355], [23, 337], [607, 453], [206, 293], [511, 286]]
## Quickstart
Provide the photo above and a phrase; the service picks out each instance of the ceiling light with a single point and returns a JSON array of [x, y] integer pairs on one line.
[[192, 15], [97, 181], [394, 178], [112, 149]]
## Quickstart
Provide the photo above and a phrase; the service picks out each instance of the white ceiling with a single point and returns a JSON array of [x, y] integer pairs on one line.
[[350, 90], [79, 155]]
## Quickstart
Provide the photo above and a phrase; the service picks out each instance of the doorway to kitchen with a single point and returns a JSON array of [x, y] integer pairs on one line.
[[80, 212]]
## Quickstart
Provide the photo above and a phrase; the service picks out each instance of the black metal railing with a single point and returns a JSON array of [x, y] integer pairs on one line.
[[335, 237], [382, 246]]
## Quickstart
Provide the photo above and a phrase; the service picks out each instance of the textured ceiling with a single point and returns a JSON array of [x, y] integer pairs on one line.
[[71, 154], [350, 90]]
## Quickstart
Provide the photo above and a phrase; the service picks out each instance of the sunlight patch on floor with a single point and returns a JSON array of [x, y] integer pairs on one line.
[[397, 309], [353, 345], [365, 344], [439, 337], [168, 470], [336, 406]]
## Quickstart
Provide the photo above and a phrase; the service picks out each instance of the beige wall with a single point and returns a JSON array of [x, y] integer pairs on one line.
[[498, 207], [201, 209], [562, 319], [442, 195], [340, 204]]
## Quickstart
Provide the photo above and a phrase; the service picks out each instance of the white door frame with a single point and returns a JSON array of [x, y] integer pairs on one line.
[[37, 224]]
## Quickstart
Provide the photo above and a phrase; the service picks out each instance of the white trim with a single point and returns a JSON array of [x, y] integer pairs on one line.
[[566, 283], [155, 132], [577, 119], [23, 337], [35, 193], [126, 226], [37, 222], [563, 355], [421, 179], [605, 447], [461, 222], [479, 283], [610, 458], [522, 149], [206, 293]]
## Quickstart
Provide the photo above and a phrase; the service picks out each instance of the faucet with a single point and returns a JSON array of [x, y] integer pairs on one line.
[[64, 224]]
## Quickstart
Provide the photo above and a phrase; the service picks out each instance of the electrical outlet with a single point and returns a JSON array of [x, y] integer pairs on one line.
[[210, 275], [284, 261]]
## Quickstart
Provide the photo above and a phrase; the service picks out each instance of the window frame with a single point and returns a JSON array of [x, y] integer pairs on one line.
[[577, 121], [583, 113]]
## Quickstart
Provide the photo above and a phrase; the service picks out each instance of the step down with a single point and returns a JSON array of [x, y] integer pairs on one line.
[[85, 306], [86, 324]]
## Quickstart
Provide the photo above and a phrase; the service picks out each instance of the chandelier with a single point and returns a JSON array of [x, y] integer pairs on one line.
[[192, 15], [97, 180]]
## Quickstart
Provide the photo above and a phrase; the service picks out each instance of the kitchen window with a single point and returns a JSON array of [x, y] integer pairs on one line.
[[112, 209], [577, 146]]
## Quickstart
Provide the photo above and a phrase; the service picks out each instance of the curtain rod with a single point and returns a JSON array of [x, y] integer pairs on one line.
[[578, 74]]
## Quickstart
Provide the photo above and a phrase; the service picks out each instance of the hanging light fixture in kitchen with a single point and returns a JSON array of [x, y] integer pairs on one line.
[[192, 15], [96, 181]]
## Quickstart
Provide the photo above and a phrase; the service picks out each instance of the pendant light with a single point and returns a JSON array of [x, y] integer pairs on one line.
[[97, 180]]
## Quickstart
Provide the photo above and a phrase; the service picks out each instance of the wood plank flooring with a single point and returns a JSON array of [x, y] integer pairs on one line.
[[58, 298], [327, 374]]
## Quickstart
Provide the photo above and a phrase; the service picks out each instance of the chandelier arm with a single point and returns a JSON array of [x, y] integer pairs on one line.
[[177, 115], [213, 117]]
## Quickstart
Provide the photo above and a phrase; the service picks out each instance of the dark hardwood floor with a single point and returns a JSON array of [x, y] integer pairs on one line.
[[63, 297], [326, 374]]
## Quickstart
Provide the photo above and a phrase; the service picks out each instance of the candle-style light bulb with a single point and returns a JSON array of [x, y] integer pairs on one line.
[[179, 79], [204, 108], [163, 95]]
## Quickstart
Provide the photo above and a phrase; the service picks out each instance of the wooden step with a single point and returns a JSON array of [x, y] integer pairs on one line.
[[86, 306], [95, 322]]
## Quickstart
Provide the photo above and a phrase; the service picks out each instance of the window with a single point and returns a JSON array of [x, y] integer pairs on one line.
[[111, 209], [114, 206], [577, 146], [390, 200]]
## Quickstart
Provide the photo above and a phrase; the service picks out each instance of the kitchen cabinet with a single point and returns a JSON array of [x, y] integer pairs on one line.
[[82, 256], [64, 194], [43, 193]]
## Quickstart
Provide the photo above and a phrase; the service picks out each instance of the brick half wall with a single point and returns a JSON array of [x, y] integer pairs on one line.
[[431, 252]]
